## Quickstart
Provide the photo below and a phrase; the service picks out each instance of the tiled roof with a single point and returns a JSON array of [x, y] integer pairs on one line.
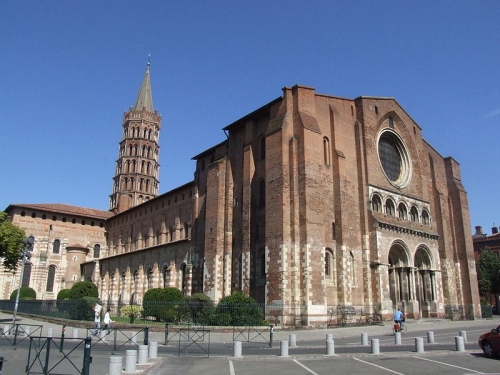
[[66, 209]]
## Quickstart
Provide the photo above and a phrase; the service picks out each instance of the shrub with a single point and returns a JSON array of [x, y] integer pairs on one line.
[[242, 311], [197, 308], [162, 303], [83, 309], [63, 294], [132, 311], [25, 293], [83, 289]]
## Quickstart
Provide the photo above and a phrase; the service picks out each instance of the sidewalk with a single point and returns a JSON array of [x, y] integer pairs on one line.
[[221, 342]]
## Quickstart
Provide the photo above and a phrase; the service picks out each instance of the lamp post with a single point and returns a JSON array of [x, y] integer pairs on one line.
[[25, 255]]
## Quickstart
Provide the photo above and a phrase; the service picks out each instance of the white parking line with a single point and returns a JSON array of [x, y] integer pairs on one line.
[[231, 367], [380, 367], [447, 364], [305, 367]]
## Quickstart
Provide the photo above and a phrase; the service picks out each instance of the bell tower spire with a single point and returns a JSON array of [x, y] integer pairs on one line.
[[137, 167]]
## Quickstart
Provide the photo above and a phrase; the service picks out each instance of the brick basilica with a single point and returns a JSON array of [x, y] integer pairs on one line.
[[311, 202]]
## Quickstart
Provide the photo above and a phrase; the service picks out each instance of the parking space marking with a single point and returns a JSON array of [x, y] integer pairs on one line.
[[447, 364], [231, 367], [305, 367], [380, 367]]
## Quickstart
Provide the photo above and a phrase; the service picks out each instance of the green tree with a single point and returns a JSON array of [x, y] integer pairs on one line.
[[488, 273], [25, 293], [162, 303], [83, 289], [11, 242]]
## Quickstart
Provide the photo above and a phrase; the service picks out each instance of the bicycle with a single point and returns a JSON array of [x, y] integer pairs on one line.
[[397, 327]]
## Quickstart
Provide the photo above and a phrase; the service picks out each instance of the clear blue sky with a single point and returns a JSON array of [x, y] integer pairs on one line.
[[70, 69]]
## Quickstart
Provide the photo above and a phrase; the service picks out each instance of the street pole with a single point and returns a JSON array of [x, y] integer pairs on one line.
[[28, 245]]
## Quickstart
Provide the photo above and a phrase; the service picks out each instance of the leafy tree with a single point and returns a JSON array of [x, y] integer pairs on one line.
[[25, 293], [197, 308], [83, 289], [11, 242], [63, 294], [488, 273]]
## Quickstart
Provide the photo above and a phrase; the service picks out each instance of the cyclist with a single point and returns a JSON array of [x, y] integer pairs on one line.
[[398, 319]]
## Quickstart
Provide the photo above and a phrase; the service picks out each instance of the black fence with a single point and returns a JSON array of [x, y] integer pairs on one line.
[[210, 314]]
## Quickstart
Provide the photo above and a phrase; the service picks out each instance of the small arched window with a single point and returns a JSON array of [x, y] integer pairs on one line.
[[402, 212], [97, 251], [50, 278], [376, 203], [414, 214], [56, 246], [425, 217], [328, 263], [389, 208], [326, 150]]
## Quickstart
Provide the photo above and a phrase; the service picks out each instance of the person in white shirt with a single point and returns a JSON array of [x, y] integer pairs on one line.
[[108, 321]]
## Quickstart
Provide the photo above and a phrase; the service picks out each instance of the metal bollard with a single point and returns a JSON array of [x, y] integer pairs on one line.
[[142, 355], [237, 349], [397, 338], [464, 335], [1, 364], [293, 340], [115, 365], [430, 337], [153, 350], [283, 348], [459, 344], [419, 344], [130, 360], [271, 331], [330, 347], [375, 346], [75, 333], [166, 334], [364, 339], [146, 335], [87, 359]]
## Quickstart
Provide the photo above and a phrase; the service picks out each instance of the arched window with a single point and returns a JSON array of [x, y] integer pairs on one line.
[[97, 251], [402, 212], [425, 217], [414, 214], [328, 263], [389, 208], [26, 275], [352, 269], [326, 150], [50, 278], [376, 203], [56, 246]]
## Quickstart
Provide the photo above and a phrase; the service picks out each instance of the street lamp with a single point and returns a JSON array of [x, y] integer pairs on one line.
[[23, 256]]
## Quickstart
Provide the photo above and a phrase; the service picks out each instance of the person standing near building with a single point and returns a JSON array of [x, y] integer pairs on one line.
[[97, 318], [107, 320]]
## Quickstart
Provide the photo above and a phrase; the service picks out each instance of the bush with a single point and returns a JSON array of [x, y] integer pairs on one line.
[[242, 311], [83, 309], [162, 303], [63, 294], [25, 293], [197, 308], [132, 311], [83, 289]]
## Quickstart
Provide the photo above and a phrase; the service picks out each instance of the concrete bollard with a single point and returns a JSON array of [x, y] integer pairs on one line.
[[459, 344], [419, 344], [330, 347], [142, 355], [430, 337], [375, 346], [464, 335], [75, 333], [115, 365], [329, 336], [7, 330], [153, 350], [50, 332], [364, 339], [237, 349], [283, 348], [134, 337], [130, 360], [102, 336], [293, 340], [27, 331], [397, 338]]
